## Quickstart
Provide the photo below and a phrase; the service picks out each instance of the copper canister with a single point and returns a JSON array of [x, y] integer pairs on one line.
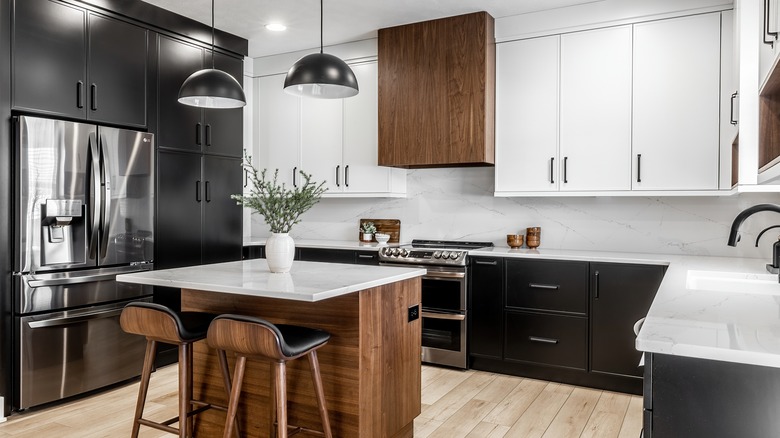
[[533, 237]]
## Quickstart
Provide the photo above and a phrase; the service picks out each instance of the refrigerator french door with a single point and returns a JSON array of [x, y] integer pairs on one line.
[[84, 211]]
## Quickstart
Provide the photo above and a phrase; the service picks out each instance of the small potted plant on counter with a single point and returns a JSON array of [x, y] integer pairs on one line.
[[282, 208], [367, 229]]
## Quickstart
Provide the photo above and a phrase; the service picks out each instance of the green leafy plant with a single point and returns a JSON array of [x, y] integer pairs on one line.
[[368, 228], [280, 206]]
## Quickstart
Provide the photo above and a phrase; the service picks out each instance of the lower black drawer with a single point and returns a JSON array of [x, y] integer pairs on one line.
[[546, 339]]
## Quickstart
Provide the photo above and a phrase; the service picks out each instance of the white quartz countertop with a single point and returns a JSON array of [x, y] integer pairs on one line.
[[306, 281]]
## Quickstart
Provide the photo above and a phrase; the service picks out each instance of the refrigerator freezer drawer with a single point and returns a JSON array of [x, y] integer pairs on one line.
[[49, 292], [68, 353]]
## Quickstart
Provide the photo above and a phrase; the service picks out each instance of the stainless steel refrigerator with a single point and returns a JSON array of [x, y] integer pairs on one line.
[[84, 212]]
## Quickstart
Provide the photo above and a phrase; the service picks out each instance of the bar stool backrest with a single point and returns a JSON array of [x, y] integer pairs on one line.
[[154, 321], [247, 336]]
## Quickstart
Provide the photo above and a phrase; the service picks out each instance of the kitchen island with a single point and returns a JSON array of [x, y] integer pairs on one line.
[[370, 367]]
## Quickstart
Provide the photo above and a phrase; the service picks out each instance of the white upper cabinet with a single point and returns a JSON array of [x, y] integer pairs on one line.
[[334, 140], [770, 29], [527, 115], [278, 129], [322, 125], [360, 172], [595, 113], [676, 116]]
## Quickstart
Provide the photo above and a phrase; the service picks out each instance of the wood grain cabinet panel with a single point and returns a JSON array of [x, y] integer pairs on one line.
[[437, 93]]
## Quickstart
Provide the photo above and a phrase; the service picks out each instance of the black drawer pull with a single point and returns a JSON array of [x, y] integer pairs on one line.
[[486, 263], [542, 340], [544, 286], [366, 256]]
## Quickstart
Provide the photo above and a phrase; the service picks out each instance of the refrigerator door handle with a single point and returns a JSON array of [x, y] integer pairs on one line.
[[95, 195], [105, 213], [70, 280]]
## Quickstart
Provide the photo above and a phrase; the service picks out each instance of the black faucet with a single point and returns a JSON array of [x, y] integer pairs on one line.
[[734, 234]]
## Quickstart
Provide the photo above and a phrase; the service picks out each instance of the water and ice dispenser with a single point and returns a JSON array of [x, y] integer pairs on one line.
[[63, 232]]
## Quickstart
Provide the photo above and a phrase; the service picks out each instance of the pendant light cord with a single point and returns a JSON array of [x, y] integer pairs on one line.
[[212, 34], [321, 24]]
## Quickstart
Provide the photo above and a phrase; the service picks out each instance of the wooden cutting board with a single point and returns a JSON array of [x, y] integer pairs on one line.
[[385, 226]]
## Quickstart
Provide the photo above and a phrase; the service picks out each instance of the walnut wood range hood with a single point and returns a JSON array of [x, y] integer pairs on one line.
[[437, 93]]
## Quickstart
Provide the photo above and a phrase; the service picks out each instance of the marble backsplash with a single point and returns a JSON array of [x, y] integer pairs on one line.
[[458, 204]]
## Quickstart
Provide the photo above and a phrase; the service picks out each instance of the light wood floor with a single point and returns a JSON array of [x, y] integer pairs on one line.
[[469, 404]]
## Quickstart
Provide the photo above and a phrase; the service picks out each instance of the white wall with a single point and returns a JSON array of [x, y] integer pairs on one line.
[[458, 204]]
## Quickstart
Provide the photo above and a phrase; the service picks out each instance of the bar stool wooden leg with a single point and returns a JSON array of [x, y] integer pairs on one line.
[[315, 375], [151, 352], [235, 395], [184, 391], [280, 394]]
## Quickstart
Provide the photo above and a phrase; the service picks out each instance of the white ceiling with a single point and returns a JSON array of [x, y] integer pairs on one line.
[[345, 20]]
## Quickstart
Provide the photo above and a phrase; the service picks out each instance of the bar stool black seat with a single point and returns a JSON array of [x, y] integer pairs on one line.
[[159, 323], [256, 338]]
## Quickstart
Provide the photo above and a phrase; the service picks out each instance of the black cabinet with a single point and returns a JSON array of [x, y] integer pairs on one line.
[[327, 255], [72, 62], [558, 340], [189, 128], [197, 222], [367, 258], [253, 252], [486, 307], [560, 286], [621, 294]]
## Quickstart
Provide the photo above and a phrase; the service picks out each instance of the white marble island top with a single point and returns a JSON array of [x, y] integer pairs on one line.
[[307, 281]]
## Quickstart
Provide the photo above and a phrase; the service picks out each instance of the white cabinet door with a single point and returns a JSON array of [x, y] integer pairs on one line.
[[595, 114], [527, 115], [361, 173], [768, 39], [277, 128], [321, 141], [676, 104]]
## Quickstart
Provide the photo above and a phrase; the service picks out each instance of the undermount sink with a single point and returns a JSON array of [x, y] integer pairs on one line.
[[766, 284]]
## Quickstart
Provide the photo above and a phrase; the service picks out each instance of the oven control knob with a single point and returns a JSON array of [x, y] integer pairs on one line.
[[454, 255], [404, 253], [437, 254], [445, 255], [396, 251]]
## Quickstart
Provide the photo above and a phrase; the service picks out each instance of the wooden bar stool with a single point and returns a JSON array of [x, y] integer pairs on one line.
[[256, 338], [159, 323]]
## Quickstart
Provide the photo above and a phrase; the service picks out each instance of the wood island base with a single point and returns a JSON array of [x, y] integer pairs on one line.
[[370, 368]]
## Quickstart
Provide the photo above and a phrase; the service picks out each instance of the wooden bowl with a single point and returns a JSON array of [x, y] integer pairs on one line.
[[514, 240]]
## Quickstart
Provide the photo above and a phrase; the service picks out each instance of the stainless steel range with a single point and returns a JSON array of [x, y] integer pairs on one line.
[[444, 299]]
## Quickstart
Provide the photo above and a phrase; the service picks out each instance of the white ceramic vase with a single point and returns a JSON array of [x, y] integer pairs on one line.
[[279, 252]]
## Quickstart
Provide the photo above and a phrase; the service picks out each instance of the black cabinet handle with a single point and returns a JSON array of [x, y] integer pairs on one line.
[[596, 285], [552, 169], [486, 263], [79, 94], [208, 191], [542, 340], [638, 167], [346, 175], [766, 25], [208, 135], [365, 256], [295, 173], [565, 165], [544, 286], [246, 178], [93, 97], [732, 120], [337, 176], [197, 190], [197, 134]]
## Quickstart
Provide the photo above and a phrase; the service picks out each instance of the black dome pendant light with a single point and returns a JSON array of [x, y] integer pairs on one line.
[[212, 88], [321, 75]]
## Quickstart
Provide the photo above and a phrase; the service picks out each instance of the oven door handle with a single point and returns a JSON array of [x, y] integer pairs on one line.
[[433, 275], [74, 319], [447, 316]]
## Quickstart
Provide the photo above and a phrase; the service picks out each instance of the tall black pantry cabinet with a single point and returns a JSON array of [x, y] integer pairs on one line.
[[199, 167]]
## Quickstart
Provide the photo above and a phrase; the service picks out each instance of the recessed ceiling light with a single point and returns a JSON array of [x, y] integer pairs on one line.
[[276, 27]]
